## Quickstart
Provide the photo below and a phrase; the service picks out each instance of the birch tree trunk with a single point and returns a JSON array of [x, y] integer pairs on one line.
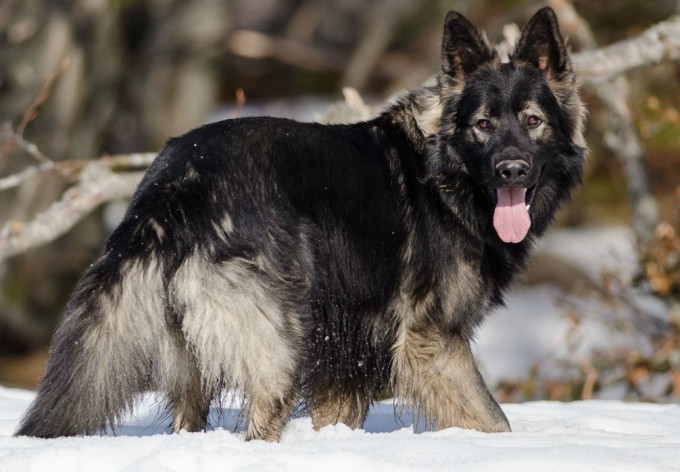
[[602, 70]]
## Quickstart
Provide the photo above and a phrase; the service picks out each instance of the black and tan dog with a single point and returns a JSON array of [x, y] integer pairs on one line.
[[303, 264]]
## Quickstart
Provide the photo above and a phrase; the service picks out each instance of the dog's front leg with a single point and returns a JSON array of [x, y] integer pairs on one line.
[[438, 376]]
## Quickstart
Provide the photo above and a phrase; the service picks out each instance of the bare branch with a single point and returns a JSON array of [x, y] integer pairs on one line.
[[14, 140], [15, 180], [97, 185], [123, 162], [106, 179], [658, 44], [117, 163]]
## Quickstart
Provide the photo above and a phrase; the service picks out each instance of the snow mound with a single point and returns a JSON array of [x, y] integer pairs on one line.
[[590, 435]]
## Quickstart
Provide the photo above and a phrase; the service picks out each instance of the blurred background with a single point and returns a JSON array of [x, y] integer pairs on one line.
[[82, 79]]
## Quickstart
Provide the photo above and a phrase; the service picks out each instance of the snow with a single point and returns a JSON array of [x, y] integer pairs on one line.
[[593, 435], [532, 328], [590, 436]]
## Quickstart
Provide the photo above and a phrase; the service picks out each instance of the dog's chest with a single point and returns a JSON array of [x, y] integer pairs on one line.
[[453, 296], [465, 298]]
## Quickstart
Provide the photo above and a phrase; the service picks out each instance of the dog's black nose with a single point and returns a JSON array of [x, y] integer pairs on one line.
[[513, 172]]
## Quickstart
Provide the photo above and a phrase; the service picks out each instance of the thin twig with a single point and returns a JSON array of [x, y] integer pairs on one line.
[[32, 111], [18, 141], [590, 381]]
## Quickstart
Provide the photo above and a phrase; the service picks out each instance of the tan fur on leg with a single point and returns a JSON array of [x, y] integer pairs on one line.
[[437, 376], [268, 416], [331, 408]]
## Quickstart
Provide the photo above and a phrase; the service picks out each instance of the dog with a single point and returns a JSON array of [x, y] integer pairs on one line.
[[315, 267]]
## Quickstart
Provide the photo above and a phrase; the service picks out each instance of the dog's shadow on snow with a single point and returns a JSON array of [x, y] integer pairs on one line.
[[152, 418]]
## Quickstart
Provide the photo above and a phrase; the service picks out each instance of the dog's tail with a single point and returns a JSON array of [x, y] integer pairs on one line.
[[104, 350]]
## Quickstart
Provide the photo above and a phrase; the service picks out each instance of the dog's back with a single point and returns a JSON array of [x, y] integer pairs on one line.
[[242, 238]]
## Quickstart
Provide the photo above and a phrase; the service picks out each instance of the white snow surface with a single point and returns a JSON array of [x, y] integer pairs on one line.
[[579, 436], [532, 328]]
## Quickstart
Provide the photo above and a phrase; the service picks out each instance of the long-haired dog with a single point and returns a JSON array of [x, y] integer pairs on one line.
[[315, 265]]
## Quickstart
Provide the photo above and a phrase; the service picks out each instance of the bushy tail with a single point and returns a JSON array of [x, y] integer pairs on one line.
[[102, 352]]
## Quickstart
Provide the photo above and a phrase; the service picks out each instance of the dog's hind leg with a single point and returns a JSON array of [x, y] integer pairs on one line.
[[102, 351], [240, 327], [268, 414], [438, 376], [331, 408], [188, 395]]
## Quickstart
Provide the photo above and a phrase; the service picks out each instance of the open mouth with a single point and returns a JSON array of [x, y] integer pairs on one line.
[[529, 197], [511, 215]]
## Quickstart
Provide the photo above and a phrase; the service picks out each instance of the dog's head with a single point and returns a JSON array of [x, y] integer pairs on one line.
[[508, 147]]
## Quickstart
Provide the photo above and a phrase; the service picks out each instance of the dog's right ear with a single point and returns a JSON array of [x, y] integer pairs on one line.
[[464, 47]]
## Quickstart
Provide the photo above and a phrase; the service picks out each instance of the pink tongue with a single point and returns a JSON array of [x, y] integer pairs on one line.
[[511, 218]]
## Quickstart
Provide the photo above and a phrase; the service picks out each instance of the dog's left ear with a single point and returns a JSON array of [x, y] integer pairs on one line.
[[541, 44]]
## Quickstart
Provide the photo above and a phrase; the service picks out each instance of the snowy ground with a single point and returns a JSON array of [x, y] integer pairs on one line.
[[579, 436], [533, 327], [587, 436]]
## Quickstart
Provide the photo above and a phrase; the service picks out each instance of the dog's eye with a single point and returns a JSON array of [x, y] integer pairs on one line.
[[533, 121], [483, 124]]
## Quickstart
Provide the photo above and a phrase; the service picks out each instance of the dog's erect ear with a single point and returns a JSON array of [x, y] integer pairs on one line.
[[464, 47], [541, 44]]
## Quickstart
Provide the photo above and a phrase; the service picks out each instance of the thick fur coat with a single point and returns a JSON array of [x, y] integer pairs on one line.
[[313, 265]]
